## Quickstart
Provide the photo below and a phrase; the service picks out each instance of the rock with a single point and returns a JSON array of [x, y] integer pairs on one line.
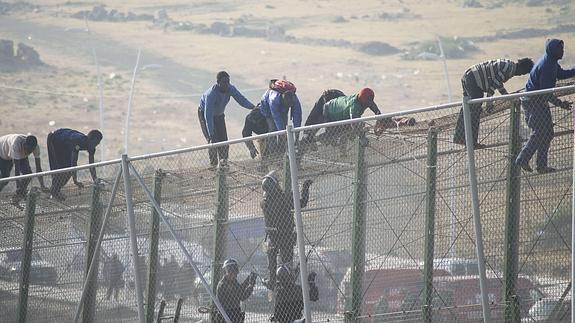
[[241, 31], [377, 48], [6, 49], [98, 13], [28, 55], [275, 33], [161, 16], [339, 19], [534, 3], [220, 28], [472, 4]]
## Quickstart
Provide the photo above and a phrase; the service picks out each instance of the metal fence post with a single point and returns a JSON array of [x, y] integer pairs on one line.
[[27, 255], [358, 234], [153, 255], [287, 174], [512, 199], [133, 240], [89, 306], [298, 222], [469, 144], [431, 178], [220, 219]]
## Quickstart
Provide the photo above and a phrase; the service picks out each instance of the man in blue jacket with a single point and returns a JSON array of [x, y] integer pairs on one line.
[[211, 114], [279, 104], [544, 75]]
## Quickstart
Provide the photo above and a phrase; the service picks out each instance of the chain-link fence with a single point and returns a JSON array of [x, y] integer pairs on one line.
[[387, 221]]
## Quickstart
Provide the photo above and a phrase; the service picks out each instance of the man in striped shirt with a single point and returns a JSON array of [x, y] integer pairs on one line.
[[482, 78]]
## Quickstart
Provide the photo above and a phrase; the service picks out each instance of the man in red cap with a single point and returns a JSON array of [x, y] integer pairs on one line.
[[344, 108]]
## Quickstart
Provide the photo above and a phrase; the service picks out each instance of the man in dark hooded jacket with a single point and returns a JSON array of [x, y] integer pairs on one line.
[[544, 75], [277, 207], [289, 297]]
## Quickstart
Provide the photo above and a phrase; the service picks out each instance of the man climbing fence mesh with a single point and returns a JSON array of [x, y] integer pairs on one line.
[[387, 223]]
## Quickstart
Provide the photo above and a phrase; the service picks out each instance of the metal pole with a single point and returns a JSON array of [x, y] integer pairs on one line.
[[27, 255], [153, 256], [573, 229], [130, 97], [476, 213], [181, 245], [512, 215], [287, 174], [100, 88], [220, 219], [91, 278], [98, 244], [358, 235], [133, 240], [429, 223], [298, 222]]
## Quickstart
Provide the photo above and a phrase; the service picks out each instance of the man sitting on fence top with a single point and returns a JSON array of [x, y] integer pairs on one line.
[[277, 207], [64, 146], [316, 116], [544, 75], [486, 77], [14, 151], [211, 114]]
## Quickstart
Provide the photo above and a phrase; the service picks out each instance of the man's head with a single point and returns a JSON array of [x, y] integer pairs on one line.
[[231, 267], [30, 144], [524, 66], [284, 276], [554, 48], [115, 256], [365, 97], [94, 138], [223, 81], [270, 183]]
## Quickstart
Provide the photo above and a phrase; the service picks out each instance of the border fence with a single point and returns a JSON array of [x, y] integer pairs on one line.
[[400, 226]]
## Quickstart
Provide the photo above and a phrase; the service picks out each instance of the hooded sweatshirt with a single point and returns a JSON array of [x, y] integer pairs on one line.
[[547, 71]]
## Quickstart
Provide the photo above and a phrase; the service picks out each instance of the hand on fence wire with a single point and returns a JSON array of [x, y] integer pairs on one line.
[[253, 152], [379, 127], [79, 184], [489, 106], [566, 105]]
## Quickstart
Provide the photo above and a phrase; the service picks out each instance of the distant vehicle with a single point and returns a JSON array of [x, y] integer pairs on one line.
[[41, 272], [393, 290], [465, 297], [549, 310]]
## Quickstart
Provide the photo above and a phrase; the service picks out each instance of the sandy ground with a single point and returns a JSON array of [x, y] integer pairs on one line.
[[164, 114]]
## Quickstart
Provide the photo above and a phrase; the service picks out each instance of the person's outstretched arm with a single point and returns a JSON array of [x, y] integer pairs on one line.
[[240, 99]]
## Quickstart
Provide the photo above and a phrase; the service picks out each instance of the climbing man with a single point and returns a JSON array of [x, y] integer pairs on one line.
[[211, 114], [277, 207], [230, 292], [486, 77], [14, 151], [64, 145], [544, 75], [344, 108], [289, 297], [316, 116], [278, 105]]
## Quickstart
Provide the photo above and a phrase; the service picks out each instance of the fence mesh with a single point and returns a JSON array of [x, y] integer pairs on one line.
[[387, 220]]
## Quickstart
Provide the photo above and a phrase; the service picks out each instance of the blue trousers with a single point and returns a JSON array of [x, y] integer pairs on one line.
[[538, 119]]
